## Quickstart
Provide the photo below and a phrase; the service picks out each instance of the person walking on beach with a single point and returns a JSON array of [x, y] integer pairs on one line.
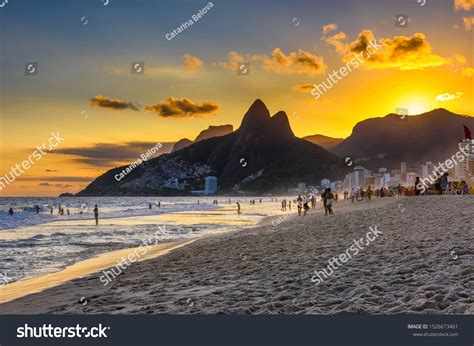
[[443, 183], [353, 194], [51, 210], [417, 190], [324, 198], [464, 188], [10, 211], [305, 206], [329, 199], [289, 205], [369, 194], [299, 204], [313, 202], [238, 208], [96, 215]]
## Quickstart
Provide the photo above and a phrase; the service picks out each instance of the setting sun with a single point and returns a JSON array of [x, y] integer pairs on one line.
[[418, 107]]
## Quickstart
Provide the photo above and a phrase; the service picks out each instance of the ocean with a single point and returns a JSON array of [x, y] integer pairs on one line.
[[37, 244]]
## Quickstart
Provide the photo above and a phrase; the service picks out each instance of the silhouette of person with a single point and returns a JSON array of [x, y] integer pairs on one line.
[[96, 214]]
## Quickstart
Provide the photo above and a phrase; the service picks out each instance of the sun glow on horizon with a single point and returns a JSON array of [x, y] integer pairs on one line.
[[417, 103], [416, 108]]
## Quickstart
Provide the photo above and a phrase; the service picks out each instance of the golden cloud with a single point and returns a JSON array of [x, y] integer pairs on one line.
[[460, 60], [180, 108], [329, 27], [449, 97], [111, 104], [234, 60], [468, 23], [468, 71], [336, 41], [192, 63], [402, 52], [295, 62], [303, 87], [465, 5]]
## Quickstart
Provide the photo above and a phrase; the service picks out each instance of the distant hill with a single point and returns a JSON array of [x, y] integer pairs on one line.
[[323, 141], [263, 155], [181, 144], [387, 141], [211, 131]]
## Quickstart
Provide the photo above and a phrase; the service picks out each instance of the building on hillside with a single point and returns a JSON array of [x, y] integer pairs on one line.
[[359, 177], [403, 172], [301, 187], [325, 183], [210, 185], [466, 169]]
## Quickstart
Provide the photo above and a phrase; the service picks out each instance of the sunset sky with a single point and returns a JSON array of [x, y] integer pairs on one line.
[[107, 116]]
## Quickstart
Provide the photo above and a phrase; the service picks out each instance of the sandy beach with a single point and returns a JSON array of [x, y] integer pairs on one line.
[[421, 263], [25, 287]]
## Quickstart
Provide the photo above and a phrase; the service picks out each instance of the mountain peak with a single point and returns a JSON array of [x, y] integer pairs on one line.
[[256, 116], [281, 125]]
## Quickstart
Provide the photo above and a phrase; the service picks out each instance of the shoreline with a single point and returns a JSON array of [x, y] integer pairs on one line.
[[81, 269], [95, 265], [268, 270]]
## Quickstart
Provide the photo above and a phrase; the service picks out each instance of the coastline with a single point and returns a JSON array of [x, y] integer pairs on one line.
[[80, 270], [92, 265], [268, 270]]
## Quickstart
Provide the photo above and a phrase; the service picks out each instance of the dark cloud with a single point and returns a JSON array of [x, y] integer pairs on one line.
[[110, 155], [55, 185], [58, 179], [108, 103], [303, 87], [180, 108]]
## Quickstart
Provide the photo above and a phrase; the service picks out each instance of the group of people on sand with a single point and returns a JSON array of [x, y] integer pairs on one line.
[[285, 204], [442, 186], [360, 194], [307, 202]]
